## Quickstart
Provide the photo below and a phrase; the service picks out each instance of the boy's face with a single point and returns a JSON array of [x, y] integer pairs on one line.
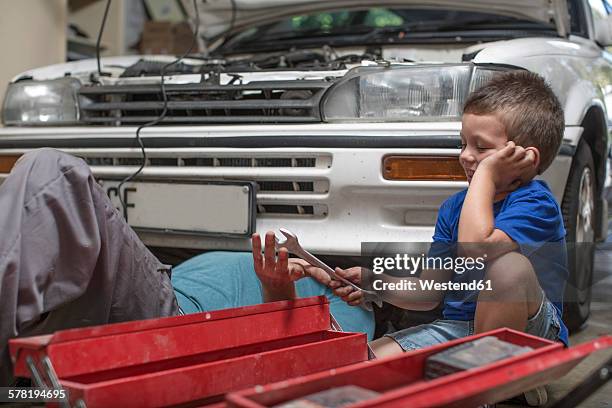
[[481, 136]]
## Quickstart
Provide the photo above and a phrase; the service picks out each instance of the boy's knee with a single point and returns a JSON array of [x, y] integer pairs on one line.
[[515, 292], [510, 272]]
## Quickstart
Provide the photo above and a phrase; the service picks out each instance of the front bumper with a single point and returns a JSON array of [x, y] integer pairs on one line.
[[324, 182]]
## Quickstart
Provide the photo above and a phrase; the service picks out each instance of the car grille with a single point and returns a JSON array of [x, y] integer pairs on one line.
[[204, 161], [258, 102], [271, 192]]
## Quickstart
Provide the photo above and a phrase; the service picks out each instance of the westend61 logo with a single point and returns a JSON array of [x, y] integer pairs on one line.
[[413, 264]]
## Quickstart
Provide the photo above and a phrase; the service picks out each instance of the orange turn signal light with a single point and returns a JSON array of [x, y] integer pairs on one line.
[[7, 163], [423, 168]]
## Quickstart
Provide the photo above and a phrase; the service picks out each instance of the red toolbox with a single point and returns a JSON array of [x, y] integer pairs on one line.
[[194, 358], [400, 380]]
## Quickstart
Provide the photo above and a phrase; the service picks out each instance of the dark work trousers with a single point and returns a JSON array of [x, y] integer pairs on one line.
[[67, 257]]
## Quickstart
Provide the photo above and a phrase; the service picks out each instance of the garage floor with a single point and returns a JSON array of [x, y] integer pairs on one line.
[[599, 323]]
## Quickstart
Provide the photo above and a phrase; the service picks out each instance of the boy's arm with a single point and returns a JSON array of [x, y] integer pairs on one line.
[[422, 298], [410, 299], [418, 297], [477, 223], [499, 173]]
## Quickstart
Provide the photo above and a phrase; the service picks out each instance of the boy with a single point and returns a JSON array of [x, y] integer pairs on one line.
[[511, 131]]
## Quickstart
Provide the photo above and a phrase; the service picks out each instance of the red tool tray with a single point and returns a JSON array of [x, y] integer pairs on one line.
[[401, 383], [196, 357]]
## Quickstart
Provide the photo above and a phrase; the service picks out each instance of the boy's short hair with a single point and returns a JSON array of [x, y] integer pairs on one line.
[[527, 107]]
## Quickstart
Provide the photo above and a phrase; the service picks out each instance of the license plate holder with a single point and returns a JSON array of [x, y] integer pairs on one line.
[[213, 208]]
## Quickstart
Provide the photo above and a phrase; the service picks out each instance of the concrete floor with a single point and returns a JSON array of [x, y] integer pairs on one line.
[[599, 323]]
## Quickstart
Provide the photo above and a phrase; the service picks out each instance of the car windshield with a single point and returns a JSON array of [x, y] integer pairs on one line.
[[379, 24]]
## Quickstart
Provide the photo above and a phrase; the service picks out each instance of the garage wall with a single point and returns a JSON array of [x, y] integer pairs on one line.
[[32, 34], [89, 18]]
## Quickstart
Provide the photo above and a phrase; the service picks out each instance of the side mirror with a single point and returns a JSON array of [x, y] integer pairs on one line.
[[603, 30]]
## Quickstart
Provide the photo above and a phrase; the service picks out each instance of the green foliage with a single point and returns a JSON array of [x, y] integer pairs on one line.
[[376, 17], [320, 21], [381, 17]]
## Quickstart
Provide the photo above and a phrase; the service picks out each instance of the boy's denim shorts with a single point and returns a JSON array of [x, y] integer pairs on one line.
[[545, 323]]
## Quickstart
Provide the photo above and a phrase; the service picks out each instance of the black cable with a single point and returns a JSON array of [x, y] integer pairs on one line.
[[233, 19], [108, 3], [230, 27], [232, 22], [163, 113]]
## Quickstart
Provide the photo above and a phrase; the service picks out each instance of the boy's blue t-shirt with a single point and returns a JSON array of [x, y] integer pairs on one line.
[[530, 216]]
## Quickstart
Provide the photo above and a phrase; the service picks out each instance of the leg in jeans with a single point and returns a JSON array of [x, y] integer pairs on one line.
[[67, 258], [516, 296]]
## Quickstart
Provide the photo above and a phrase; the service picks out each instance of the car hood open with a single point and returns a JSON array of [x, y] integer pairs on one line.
[[221, 17]]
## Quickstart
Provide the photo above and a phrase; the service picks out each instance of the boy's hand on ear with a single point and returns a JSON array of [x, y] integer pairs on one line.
[[509, 167]]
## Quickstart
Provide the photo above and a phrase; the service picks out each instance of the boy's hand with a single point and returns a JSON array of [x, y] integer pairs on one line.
[[348, 293], [509, 167]]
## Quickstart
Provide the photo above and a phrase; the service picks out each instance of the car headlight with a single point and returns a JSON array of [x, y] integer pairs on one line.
[[42, 102], [404, 93]]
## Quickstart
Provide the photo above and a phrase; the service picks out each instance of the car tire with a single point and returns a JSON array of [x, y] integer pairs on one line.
[[578, 209]]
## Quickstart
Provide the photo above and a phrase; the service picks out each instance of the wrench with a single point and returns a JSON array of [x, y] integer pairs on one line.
[[292, 245]]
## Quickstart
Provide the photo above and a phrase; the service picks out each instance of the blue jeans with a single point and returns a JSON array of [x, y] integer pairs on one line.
[[545, 323]]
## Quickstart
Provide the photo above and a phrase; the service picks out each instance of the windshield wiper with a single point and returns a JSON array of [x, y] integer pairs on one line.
[[368, 33], [316, 35], [310, 33]]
